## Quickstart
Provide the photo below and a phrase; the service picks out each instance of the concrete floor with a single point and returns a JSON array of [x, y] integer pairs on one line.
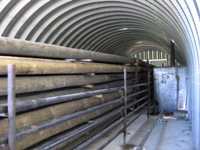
[[174, 134]]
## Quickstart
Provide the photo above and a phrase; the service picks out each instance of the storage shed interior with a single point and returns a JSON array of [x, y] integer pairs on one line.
[[129, 28]]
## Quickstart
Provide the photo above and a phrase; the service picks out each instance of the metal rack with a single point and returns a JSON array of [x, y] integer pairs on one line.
[[13, 107]]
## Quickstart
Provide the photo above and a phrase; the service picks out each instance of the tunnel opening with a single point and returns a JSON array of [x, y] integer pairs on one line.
[[127, 28]]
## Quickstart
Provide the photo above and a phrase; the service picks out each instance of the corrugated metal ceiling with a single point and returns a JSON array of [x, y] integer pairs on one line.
[[111, 26]]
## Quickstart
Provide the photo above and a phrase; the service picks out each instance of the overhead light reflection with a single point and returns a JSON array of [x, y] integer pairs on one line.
[[139, 42], [123, 29]]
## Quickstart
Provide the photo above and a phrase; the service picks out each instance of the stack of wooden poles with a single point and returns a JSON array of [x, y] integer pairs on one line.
[[65, 96]]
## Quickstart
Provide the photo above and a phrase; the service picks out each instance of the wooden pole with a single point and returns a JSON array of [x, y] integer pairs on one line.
[[16, 47], [46, 66], [42, 83]]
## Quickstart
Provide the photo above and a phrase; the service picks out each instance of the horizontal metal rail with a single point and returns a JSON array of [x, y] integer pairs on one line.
[[134, 94], [76, 133], [119, 132], [30, 130], [100, 134], [137, 85], [32, 104], [140, 146], [68, 137]]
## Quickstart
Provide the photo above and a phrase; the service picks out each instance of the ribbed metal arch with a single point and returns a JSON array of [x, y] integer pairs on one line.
[[98, 29], [78, 14], [95, 25], [106, 47], [77, 29], [125, 6], [16, 18], [65, 18], [117, 37], [45, 18], [105, 37], [7, 8], [84, 36]]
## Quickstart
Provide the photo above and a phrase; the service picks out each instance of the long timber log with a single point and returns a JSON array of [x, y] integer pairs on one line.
[[37, 134], [41, 83], [18, 47], [34, 134], [56, 111], [56, 96], [63, 91], [45, 98], [46, 66], [75, 135]]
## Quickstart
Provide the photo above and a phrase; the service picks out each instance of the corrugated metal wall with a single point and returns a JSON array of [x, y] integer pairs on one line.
[[113, 26], [157, 58]]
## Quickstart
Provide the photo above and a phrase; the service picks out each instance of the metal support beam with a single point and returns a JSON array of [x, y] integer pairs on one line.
[[172, 54], [11, 107], [149, 90], [125, 104]]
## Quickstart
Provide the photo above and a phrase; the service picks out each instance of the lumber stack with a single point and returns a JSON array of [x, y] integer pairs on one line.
[[60, 91]]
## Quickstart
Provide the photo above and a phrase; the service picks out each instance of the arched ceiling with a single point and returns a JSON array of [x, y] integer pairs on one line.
[[109, 26], [113, 26]]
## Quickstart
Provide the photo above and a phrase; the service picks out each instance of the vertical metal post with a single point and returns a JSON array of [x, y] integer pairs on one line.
[[125, 103], [136, 79], [149, 90], [172, 55], [11, 107], [136, 71]]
